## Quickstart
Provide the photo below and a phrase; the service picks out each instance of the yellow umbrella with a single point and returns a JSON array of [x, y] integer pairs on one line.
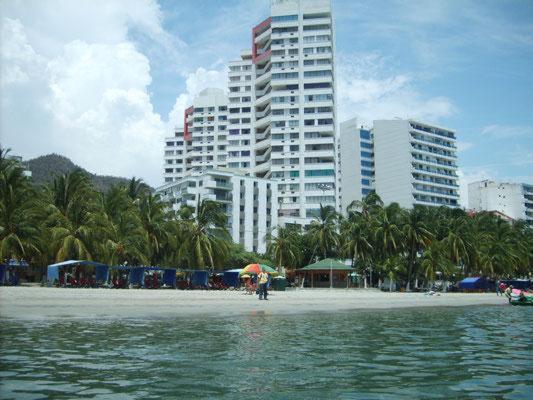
[[245, 276]]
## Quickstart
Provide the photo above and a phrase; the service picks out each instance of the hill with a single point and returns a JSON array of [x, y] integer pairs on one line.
[[45, 168]]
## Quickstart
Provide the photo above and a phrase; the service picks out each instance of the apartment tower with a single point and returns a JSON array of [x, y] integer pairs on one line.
[[281, 107], [405, 161]]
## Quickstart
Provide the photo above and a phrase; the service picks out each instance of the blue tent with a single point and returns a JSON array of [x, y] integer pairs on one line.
[[199, 278], [136, 274], [522, 284], [3, 268], [12, 266], [101, 270], [231, 278], [473, 283]]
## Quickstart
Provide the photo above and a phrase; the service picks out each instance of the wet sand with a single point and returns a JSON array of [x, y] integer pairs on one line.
[[39, 302]]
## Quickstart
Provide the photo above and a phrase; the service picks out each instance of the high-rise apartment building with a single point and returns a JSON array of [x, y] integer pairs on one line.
[[515, 200], [282, 106], [404, 161], [356, 162], [202, 142], [250, 203]]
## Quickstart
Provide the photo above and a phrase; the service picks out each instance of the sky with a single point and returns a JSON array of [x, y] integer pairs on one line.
[[103, 81]]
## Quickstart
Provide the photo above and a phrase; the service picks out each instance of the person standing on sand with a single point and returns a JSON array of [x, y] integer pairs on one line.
[[262, 278], [501, 288], [509, 292]]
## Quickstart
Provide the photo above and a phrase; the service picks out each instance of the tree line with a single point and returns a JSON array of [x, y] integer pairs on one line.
[[70, 219]]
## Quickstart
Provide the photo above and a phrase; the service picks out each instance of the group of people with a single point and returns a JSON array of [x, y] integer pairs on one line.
[[507, 291]]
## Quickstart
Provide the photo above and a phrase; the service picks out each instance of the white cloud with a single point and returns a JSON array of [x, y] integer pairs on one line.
[[368, 91], [464, 146], [506, 131], [74, 83], [195, 83]]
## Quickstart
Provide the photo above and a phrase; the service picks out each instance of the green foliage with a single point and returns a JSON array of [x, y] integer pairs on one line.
[[70, 218]]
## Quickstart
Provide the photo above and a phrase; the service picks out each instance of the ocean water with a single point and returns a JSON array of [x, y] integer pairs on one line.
[[476, 352]]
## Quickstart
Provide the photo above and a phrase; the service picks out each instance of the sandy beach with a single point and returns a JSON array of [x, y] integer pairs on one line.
[[38, 302]]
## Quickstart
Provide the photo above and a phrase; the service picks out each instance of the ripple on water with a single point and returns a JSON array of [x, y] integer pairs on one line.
[[437, 353]]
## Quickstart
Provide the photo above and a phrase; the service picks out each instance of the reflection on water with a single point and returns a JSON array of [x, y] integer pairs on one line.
[[431, 353]]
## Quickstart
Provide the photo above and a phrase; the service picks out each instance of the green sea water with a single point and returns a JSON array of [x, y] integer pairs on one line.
[[476, 352]]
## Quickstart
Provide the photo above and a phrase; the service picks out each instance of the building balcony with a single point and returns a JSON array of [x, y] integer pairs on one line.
[[262, 167], [436, 191], [263, 37], [442, 145]]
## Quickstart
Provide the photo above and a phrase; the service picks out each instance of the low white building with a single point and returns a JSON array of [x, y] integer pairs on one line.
[[250, 203], [514, 200]]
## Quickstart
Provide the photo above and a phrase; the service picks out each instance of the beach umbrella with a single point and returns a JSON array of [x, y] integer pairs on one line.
[[256, 268]]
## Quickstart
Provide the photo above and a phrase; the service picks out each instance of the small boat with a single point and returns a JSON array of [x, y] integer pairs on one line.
[[519, 298]]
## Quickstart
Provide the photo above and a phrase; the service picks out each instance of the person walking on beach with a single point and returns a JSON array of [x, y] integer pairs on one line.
[[263, 281]]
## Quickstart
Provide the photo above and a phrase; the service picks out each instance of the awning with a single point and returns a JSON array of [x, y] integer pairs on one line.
[[327, 265]]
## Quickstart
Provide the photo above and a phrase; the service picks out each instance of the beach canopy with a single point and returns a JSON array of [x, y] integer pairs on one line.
[[326, 265], [472, 283], [257, 268], [231, 278], [136, 273], [101, 270]]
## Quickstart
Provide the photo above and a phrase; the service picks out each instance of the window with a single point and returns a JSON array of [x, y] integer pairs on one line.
[[366, 154], [368, 164], [293, 123], [364, 134], [318, 97], [287, 75], [314, 74], [320, 85], [294, 147], [284, 18], [365, 172], [365, 182], [320, 172]]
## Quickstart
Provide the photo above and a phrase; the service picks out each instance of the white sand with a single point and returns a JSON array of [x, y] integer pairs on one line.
[[38, 302]]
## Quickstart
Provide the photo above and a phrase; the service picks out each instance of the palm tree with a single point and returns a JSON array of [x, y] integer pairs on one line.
[[371, 204], [357, 241], [206, 239], [19, 230], [323, 230], [387, 236], [153, 217], [136, 189], [433, 260], [283, 247], [126, 238], [416, 236], [74, 218]]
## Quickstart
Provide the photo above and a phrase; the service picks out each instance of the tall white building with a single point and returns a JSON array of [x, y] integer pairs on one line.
[[202, 142], [282, 106], [515, 200], [250, 203], [356, 162], [404, 161]]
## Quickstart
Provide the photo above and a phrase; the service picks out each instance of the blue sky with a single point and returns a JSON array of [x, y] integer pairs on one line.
[[464, 64]]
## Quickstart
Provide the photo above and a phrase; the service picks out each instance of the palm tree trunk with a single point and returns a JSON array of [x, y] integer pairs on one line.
[[410, 272]]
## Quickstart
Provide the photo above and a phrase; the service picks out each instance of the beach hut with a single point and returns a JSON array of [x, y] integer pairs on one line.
[[326, 273], [56, 272], [10, 272]]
